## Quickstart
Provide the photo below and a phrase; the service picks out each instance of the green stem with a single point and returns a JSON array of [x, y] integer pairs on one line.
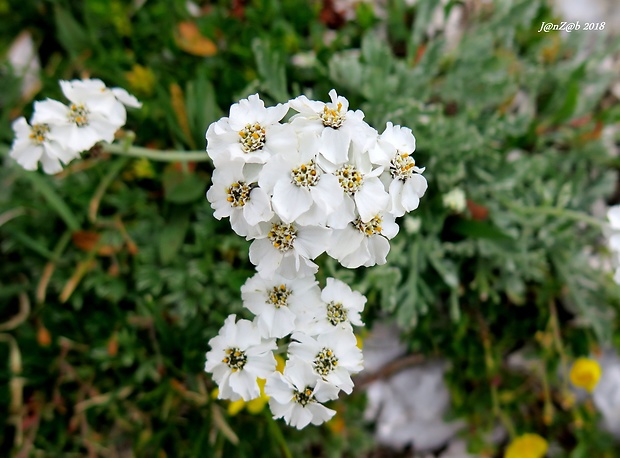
[[93, 206], [156, 155], [278, 436], [557, 211]]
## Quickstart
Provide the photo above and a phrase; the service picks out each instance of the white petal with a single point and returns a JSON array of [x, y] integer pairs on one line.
[[126, 98], [290, 201], [335, 145], [371, 199], [244, 384]]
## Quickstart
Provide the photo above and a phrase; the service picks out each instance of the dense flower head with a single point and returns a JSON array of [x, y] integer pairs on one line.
[[302, 186], [58, 133], [322, 182]]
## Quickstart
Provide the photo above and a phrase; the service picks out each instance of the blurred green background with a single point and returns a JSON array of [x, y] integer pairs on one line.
[[114, 274]]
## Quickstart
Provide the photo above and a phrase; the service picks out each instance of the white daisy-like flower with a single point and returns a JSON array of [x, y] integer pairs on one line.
[[402, 177], [297, 394], [297, 183], [288, 249], [361, 188], [364, 243], [93, 115], [235, 194], [33, 144], [280, 303], [238, 357], [334, 356], [252, 133], [334, 123], [340, 309], [455, 200], [613, 216]]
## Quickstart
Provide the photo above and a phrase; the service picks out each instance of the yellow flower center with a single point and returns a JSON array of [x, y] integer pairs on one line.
[[325, 361], [350, 179], [401, 167], [235, 359], [279, 296], [372, 227], [332, 117], [282, 236], [38, 133], [304, 396], [78, 114], [336, 313], [238, 194], [306, 175], [252, 137]]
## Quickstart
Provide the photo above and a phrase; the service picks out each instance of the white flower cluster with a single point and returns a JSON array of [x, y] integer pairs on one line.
[[322, 353], [323, 182], [613, 216], [58, 133]]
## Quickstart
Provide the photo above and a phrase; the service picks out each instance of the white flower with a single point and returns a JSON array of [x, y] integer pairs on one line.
[[336, 125], [126, 98], [455, 200], [298, 183], [340, 308], [613, 215], [334, 356], [412, 224], [236, 195], [279, 303], [238, 356], [33, 144], [364, 244], [94, 114], [360, 187], [287, 249], [402, 178], [297, 394], [251, 134]]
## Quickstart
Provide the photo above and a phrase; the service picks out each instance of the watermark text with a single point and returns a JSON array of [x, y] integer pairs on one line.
[[570, 26]]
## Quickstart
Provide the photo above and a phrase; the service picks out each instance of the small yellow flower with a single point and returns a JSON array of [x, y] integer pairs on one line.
[[142, 168], [141, 80], [257, 405], [254, 406], [585, 373], [236, 406], [280, 363], [527, 446]]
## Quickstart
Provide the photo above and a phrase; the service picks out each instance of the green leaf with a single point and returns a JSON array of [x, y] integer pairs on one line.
[[33, 244], [173, 234], [270, 64], [479, 230], [43, 187], [70, 33], [182, 188], [571, 91]]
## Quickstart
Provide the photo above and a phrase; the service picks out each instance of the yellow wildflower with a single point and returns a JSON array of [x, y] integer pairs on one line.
[[585, 373], [142, 168], [527, 446], [141, 80]]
